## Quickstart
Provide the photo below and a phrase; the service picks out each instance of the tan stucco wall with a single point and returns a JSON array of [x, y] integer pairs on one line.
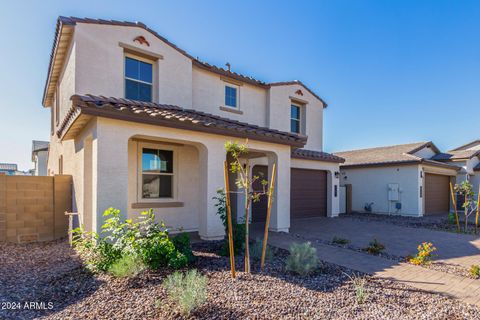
[[279, 113], [209, 95]]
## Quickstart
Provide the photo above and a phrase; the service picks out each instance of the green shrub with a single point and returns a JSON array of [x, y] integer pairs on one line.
[[302, 259], [475, 271], [188, 291], [126, 266], [374, 247], [238, 229], [144, 238], [256, 251], [182, 244], [340, 241]]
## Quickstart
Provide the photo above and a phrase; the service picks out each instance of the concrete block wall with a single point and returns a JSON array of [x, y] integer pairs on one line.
[[32, 208]]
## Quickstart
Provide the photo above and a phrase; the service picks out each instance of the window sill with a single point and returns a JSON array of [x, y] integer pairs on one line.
[[232, 110], [148, 205]]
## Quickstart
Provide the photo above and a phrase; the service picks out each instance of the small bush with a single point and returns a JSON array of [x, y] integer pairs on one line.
[[126, 266], [188, 291], [256, 251], [359, 286], [475, 271], [340, 241], [302, 259], [182, 245], [424, 255], [374, 247]]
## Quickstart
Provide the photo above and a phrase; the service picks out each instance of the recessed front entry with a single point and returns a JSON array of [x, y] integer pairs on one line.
[[259, 208], [308, 193]]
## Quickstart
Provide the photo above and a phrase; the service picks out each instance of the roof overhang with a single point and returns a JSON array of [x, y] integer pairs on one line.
[[401, 163]]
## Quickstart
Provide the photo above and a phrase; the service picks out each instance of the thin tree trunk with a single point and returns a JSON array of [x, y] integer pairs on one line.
[[247, 235]]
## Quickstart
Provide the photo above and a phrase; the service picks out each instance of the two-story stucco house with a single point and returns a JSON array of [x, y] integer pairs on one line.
[[139, 123]]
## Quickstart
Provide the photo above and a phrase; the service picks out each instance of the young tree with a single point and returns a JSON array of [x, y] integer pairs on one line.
[[241, 166], [469, 205]]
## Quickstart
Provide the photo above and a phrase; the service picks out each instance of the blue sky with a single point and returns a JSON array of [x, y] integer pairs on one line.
[[391, 71]]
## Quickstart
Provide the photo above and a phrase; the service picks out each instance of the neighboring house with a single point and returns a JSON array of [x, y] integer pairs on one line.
[[139, 123], [9, 169], [39, 157], [400, 179], [467, 157]]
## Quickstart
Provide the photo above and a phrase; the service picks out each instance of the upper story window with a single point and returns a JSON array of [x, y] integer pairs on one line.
[[231, 96], [157, 173], [295, 118], [138, 79]]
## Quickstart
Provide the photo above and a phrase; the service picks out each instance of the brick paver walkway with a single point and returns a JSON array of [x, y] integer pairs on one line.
[[464, 289]]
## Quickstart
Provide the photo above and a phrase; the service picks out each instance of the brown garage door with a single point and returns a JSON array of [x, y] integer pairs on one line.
[[308, 193], [259, 208], [436, 193]]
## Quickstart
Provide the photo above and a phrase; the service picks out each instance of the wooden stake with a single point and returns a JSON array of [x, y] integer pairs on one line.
[[455, 207], [267, 223], [478, 210], [229, 219]]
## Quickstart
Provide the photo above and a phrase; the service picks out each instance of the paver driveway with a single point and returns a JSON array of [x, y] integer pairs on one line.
[[401, 241]]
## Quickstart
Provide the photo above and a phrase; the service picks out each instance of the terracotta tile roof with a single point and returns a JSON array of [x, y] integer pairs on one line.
[[388, 155], [8, 166], [316, 155], [172, 116], [71, 21], [456, 155]]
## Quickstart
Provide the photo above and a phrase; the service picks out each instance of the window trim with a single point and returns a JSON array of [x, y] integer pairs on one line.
[[300, 114], [237, 88], [142, 59], [174, 174]]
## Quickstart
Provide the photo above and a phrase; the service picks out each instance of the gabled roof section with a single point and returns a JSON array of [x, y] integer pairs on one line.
[[316, 155], [389, 155], [456, 155], [466, 146], [170, 116], [64, 31]]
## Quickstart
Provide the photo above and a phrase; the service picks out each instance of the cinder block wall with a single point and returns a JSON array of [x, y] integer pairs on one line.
[[32, 208]]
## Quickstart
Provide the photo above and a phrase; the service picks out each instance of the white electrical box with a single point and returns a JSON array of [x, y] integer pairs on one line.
[[393, 192]]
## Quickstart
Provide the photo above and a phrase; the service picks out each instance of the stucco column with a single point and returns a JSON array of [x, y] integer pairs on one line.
[[111, 188], [212, 157], [280, 215]]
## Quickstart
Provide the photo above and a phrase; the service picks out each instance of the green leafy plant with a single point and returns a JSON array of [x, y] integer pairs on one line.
[[302, 259], [144, 238], [127, 266], [374, 247], [182, 244], [238, 229], [474, 271], [451, 218], [340, 241], [188, 291], [424, 255], [256, 251], [359, 287]]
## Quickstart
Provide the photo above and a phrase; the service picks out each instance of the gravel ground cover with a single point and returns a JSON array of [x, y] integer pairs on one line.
[[52, 273], [439, 223]]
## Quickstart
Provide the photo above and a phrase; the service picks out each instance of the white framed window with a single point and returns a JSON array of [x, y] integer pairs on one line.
[[157, 176], [295, 118], [232, 96], [138, 75]]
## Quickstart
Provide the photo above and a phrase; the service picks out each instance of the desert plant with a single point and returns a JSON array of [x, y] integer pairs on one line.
[[238, 229], [340, 241], [424, 255], [374, 247], [475, 271], [182, 244], [302, 259], [470, 206], [256, 251], [126, 266], [240, 165], [359, 286], [188, 291]]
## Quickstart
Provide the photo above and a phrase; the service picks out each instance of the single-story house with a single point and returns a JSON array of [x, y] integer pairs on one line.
[[399, 179], [39, 157]]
